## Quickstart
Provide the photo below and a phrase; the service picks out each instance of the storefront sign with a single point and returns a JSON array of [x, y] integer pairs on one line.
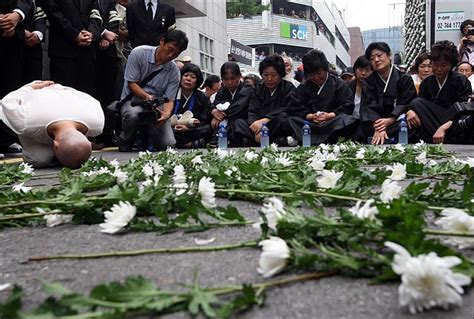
[[293, 31], [449, 21]]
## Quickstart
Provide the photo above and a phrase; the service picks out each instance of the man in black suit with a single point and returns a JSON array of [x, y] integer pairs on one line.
[[74, 26], [35, 31], [148, 20], [12, 34]]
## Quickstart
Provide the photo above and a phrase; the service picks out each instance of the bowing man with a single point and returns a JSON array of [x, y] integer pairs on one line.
[[268, 104], [322, 99], [428, 113], [385, 96], [231, 102]]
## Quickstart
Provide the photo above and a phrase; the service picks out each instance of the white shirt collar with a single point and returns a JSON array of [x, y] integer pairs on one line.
[[388, 79], [154, 2], [322, 86]]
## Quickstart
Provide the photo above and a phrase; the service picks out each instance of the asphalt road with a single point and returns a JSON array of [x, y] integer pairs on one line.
[[334, 297]]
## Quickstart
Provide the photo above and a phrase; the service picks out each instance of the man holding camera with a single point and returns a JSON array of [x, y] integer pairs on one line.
[[466, 47], [155, 66]]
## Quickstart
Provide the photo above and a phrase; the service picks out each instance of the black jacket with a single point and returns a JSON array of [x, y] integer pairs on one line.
[[376, 104], [335, 97], [201, 109], [141, 30], [67, 19], [456, 89], [110, 21], [238, 105], [263, 104], [36, 20], [7, 6]]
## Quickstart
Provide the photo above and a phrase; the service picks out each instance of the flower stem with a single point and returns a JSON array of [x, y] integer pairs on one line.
[[447, 233], [29, 215], [146, 252]]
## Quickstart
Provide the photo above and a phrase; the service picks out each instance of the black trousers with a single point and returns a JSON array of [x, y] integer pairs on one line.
[[193, 134], [278, 127], [11, 65], [77, 72], [32, 63]]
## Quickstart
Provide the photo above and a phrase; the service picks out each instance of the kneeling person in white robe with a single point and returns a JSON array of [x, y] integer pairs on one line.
[[52, 121]]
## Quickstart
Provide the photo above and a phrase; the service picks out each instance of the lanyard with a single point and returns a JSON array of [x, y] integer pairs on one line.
[[177, 103]]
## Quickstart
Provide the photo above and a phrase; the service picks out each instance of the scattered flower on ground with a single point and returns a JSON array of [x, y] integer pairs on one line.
[[399, 171], [21, 188], [329, 179], [250, 155], [360, 153], [197, 160], [457, 221], [427, 280], [208, 192], [179, 180], [317, 164], [274, 256], [366, 211], [273, 209], [390, 191], [27, 169], [54, 220], [284, 160], [118, 217]]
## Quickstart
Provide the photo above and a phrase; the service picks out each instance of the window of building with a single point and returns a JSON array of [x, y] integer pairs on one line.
[[341, 39], [206, 53], [340, 64]]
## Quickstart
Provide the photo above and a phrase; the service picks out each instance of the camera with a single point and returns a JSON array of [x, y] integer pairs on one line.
[[470, 31], [150, 113]]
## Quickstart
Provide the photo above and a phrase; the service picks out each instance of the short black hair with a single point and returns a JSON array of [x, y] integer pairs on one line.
[[381, 46], [211, 80], [275, 61], [444, 50], [422, 57], [464, 62], [230, 67], [177, 36], [361, 63], [315, 60], [193, 68], [465, 23]]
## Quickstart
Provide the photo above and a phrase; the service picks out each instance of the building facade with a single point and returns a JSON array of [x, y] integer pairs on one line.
[[357, 46], [293, 27]]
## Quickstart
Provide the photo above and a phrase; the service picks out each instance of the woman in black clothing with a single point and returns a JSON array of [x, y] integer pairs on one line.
[[231, 102], [322, 99], [191, 119], [362, 71], [386, 95], [268, 104], [428, 113]]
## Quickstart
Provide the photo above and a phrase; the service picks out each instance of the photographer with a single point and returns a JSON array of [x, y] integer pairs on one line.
[[142, 62], [466, 47]]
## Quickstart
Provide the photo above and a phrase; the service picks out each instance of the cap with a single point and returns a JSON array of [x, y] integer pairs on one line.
[[348, 71], [185, 59]]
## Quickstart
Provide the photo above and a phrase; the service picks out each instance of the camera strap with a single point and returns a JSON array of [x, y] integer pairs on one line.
[[141, 84]]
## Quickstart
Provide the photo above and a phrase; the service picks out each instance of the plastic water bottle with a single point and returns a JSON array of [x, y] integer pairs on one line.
[[264, 136], [222, 137], [403, 131], [306, 134]]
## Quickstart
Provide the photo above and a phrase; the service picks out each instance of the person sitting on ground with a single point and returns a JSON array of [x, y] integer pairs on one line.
[[268, 105], [438, 93], [231, 102], [362, 70], [467, 69], [143, 61], [191, 121], [322, 99], [421, 69], [211, 85], [53, 121], [387, 96]]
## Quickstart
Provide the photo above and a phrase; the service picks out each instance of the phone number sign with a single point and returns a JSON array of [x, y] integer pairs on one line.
[[449, 21]]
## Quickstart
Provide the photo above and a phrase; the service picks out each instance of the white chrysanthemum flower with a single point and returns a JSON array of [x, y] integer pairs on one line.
[[469, 161], [380, 150], [250, 155], [399, 171], [329, 179], [197, 160], [421, 158], [208, 192], [390, 191], [264, 161], [364, 212], [336, 149], [54, 220], [317, 164], [274, 147], [152, 168], [115, 163], [171, 150], [427, 280], [457, 221], [419, 145], [27, 169], [120, 175], [21, 188], [228, 172], [324, 147], [274, 256], [179, 180], [273, 209], [399, 147], [143, 154], [284, 160], [118, 217], [360, 153], [222, 153]]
